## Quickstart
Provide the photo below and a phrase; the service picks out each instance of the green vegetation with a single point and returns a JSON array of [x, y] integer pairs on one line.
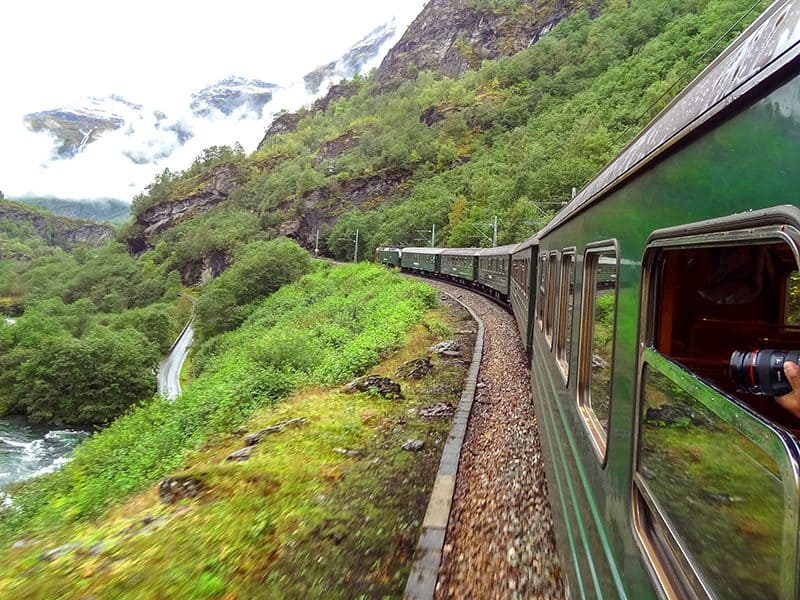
[[28, 232], [94, 324], [329, 326], [259, 269], [301, 518], [113, 211], [512, 138]]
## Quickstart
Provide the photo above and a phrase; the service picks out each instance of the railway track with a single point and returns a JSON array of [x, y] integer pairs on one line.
[[499, 541], [501, 303]]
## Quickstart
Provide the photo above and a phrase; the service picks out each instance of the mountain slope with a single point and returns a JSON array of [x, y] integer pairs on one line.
[[454, 36], [511, 139], [26, 231], [113, 211]]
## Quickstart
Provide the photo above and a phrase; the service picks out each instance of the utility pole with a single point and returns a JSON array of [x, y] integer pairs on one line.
[[494, 232], [316, 245], [433, 235], [355, 251]]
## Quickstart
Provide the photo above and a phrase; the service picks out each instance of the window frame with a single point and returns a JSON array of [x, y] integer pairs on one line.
[[673, 569], [552, 292], [562, 357], [541, 289], [598, 436]]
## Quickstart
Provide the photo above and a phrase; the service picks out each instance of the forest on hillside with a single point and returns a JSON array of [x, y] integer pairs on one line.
[[511, 139]]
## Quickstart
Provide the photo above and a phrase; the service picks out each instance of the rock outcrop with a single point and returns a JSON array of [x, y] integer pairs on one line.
[[321, 207], [383, 386], [160, 217], [287, 122], [63, 232], [451, 37], [203, 270]]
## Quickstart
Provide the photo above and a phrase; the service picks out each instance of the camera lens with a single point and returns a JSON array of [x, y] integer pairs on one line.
[[761, 371]]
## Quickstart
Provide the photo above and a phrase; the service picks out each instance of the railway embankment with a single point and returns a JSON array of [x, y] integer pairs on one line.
[[499, 541], [229, 492]]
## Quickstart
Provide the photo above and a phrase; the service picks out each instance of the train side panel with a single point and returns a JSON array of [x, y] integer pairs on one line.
[[460, 263], [523, 277], [423, 260], [494, 269], [589, 468]]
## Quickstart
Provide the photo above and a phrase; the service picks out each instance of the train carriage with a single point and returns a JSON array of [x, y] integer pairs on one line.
[[421, 260], [494, 269], [667, 480], [460, 263], [523, 286], [387, 255]]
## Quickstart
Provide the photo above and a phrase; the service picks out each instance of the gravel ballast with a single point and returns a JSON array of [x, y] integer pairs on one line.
[[499, 541]]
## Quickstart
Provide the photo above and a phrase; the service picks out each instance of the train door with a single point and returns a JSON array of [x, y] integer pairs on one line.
[[715, 484]]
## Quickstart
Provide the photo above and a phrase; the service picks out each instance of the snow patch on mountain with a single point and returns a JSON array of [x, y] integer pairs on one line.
[[113, 146]]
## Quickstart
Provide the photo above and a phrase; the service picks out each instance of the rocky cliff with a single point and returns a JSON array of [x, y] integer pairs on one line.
[[448, 37], [322, 207], [158, 218], [18, 220], [453, 36]]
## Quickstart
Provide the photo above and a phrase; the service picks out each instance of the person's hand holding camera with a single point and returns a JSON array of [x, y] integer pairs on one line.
[[791, 401]]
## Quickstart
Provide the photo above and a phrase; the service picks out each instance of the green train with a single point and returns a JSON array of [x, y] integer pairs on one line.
[[666, 480]]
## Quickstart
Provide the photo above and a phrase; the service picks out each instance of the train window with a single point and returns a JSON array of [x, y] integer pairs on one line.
[[716, 491], [566, 302], [552, 296], [519, 274], [540, 291], [717, 501], [597, 342]]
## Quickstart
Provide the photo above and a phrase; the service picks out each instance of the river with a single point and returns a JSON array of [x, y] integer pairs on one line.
[[28, 450]]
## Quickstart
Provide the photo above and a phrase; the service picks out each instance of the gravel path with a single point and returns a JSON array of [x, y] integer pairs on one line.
[[500, 541]]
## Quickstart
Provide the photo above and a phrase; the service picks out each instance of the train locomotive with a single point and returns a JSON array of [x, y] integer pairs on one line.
[[666, 478]]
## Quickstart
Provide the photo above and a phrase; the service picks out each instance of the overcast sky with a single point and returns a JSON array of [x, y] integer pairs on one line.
[[157, 52], [56, 49]]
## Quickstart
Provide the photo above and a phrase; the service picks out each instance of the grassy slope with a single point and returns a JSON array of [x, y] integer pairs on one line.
[[263, 522]]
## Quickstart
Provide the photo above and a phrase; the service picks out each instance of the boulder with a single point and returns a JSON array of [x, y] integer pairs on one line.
[[443, 409], [253, 438], [172, 489], [56, 553], [415, 369], [382, 386], [447, 346], [414, 445], [240, 455]]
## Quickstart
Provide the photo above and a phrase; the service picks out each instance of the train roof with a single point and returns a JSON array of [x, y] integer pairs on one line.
[[498, 250], [424, 250], [524, 245], [461, 251], [763, 49]]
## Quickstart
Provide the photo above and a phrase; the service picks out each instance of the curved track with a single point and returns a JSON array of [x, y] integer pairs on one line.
[[499, 541]]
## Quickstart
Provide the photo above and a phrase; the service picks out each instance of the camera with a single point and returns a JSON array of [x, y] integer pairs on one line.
[[761, 371]]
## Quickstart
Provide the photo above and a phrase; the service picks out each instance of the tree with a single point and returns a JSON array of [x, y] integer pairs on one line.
[[86, 381], [259, 269]]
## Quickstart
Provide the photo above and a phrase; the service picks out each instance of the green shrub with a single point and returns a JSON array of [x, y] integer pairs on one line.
[[297, 335]]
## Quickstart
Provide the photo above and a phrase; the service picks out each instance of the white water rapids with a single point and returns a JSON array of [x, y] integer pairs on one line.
[[28, 450]]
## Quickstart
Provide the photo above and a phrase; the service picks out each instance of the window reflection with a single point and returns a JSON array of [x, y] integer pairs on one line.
[[720, 493], [564, 345], [604, 265]]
